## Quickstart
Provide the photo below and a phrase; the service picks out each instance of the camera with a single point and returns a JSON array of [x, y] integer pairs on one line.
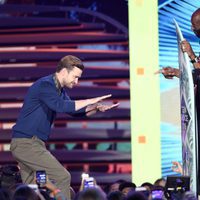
[[176, 186], [41, 178]]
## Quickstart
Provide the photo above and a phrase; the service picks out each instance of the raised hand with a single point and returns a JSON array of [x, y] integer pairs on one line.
[[186, 47], [168, 72], [176, 167]]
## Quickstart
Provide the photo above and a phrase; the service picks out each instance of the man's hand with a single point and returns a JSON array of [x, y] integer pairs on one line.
[[186, 47], [176, 167], [103, 108], [169, 72], [98, 99], [93, 109], [87, 102]]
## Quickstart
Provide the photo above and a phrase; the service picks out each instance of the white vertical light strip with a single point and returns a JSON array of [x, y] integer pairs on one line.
[[145, 91]]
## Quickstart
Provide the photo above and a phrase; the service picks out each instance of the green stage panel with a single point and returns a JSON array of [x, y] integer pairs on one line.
[[145, 91]]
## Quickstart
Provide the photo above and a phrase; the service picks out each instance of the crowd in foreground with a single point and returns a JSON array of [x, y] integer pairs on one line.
[[12, 188]]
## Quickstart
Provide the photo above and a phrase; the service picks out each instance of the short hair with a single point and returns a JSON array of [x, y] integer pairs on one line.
[[196, 13], [127, 185], [25, 192], [69, 62], [157, 182], [147, 184]]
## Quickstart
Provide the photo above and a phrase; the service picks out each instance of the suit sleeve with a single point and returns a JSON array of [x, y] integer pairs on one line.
[[78, 113], [49, 96]]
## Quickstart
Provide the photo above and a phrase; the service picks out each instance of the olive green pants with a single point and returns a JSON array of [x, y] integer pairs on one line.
[[32, 155]]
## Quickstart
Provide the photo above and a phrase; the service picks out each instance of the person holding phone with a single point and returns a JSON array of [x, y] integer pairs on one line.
[[46, 97], [41, 178]]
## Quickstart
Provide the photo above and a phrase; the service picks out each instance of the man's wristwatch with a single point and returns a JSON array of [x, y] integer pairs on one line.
[[195, 60]]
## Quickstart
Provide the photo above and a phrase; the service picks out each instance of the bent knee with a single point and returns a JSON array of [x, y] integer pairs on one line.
[[68, 175], [65, 176]]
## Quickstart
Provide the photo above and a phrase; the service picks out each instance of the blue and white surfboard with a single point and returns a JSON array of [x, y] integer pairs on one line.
[[188, 116]]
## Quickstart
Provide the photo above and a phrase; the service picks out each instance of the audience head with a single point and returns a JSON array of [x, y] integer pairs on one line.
[[9, 176], [195, 20], [126, 187], [160, 182], [114, 186], [136, 196], [144, 191], [147, 185], [23, 191], [91, 194], [116, 195]]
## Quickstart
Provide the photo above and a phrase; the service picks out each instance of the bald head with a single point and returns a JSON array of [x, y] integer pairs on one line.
[[196, 15], [195, 20]]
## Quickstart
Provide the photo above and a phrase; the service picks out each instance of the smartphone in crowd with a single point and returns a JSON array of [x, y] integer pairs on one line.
[[41, 178], [89, 182], [157, 194]]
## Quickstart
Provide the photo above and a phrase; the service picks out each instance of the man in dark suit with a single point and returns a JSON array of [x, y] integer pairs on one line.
[[45, 98], [170, 72]]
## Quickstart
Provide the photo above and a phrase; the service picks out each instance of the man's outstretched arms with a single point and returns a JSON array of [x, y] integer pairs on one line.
[[93, 109]]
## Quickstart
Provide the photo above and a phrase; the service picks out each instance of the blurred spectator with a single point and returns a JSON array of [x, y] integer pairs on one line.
[[136, 196], [91, 194], [14, 187], [147, 185], [126, 187], [116, 195], [25, 192], [160, 182], [9, 176], [113, 186], [144, 191]]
